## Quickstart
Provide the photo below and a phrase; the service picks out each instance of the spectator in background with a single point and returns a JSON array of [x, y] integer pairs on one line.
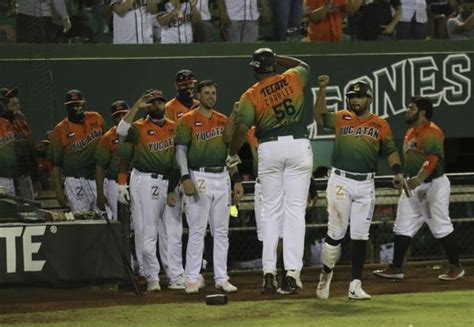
[[438, 13], [175, 18], [326, 18], [34, 20], [286, 18], [376, 20], [239, 19], [461, 27], [203, 29], [413, 24], [132, 21]]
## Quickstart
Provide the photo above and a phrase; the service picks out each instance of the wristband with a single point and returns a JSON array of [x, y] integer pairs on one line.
[[397, 169]]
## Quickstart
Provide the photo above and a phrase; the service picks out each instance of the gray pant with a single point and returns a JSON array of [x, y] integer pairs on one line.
[[242, 31]]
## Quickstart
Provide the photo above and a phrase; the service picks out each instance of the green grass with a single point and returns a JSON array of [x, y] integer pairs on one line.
[[409, 310]]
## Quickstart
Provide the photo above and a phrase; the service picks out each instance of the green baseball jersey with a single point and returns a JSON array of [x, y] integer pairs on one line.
[[420, 142], [275, 105], [7, 149], [203, 137], [149, 147], [106, 155], [73, 145], [358, 141]]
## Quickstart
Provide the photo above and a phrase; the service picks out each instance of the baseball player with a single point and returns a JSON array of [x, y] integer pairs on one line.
[[108, 162], [26, 169], [423, 149], [132, 21], [275, 105], [72, 152], [184, 100], [7, 153], [360, 137], [150, 148], [176, 18], [201, 152]]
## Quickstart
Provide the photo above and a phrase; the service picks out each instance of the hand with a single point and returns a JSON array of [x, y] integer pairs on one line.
[[238, 192], [414, 182], [142, 102], [123, 194], [188, 187], [388, 29], [171, 199], [398, 180], [66, 24], [101, 201], [61, 199], [323, 81], [232, 161]]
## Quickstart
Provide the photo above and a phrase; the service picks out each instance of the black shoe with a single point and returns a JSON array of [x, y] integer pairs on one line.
[[288, 286], [270, 284]]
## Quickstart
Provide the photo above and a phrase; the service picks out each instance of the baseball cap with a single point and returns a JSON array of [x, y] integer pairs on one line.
[[9, 93], [185, 76], [154, 94], [118, 107], [74, 96], [360, 88]]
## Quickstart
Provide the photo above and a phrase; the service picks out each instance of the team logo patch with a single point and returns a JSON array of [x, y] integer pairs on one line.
[[346, 117], [150, 132], [70, 134], [197, 123]]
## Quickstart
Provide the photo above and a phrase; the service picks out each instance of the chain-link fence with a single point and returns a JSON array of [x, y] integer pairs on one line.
[[245, 250]]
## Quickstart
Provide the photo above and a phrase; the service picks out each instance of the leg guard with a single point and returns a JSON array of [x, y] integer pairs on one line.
[[331, 254]]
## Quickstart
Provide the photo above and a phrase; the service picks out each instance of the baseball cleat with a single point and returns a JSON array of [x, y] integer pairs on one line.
[[390, 273], [356, 292], [288, 285], [194, 287], [454, 272], [270, 284], [227, 287], [153, 286], [178, 284], [322, 291]]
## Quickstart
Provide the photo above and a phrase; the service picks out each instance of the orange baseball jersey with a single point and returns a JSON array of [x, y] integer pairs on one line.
[[329, 28], [253, 143], [150, 148], [358, 141], [420, 142], [73, 145], [106, 155], [24, 147], [174, 109], [7, 149], [275, 105], [203, 137]]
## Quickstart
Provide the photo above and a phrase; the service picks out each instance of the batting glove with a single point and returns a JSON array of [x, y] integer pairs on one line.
[[123, 194], [232, 161]]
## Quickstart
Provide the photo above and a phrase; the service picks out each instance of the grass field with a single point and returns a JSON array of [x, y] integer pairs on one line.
[[414, 310]]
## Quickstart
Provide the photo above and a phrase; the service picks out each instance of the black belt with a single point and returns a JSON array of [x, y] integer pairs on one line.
[[275, 138], [357, 177], [215, 170], [159, 176]]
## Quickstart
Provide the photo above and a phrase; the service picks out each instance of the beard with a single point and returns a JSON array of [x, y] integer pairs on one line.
[[156, 114], [413, 119]]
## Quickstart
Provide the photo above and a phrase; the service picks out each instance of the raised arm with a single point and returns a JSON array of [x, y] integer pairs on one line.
[[320, 105], [291, 62]]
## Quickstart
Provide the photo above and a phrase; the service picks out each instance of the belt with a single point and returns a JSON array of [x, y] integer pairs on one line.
[[215, 170], [158, 176], [357, 177], [275, 138]]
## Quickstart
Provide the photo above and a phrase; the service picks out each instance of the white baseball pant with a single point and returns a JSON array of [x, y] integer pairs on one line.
[[81, 194], [111, 193], [137, 220], [284, 170], [429, 204], [350, 200], [211, 205]]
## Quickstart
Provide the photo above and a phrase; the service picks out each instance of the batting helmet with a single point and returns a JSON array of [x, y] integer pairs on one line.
[[74, 96], [263, 61], [359, 88], [119, 106], [423, 103], [185, 76]]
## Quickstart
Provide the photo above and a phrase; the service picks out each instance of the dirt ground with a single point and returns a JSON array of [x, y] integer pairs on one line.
[[418, 278]]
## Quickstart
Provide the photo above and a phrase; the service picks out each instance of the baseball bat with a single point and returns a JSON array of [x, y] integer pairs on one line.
[[123, 255], [406, 189]]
